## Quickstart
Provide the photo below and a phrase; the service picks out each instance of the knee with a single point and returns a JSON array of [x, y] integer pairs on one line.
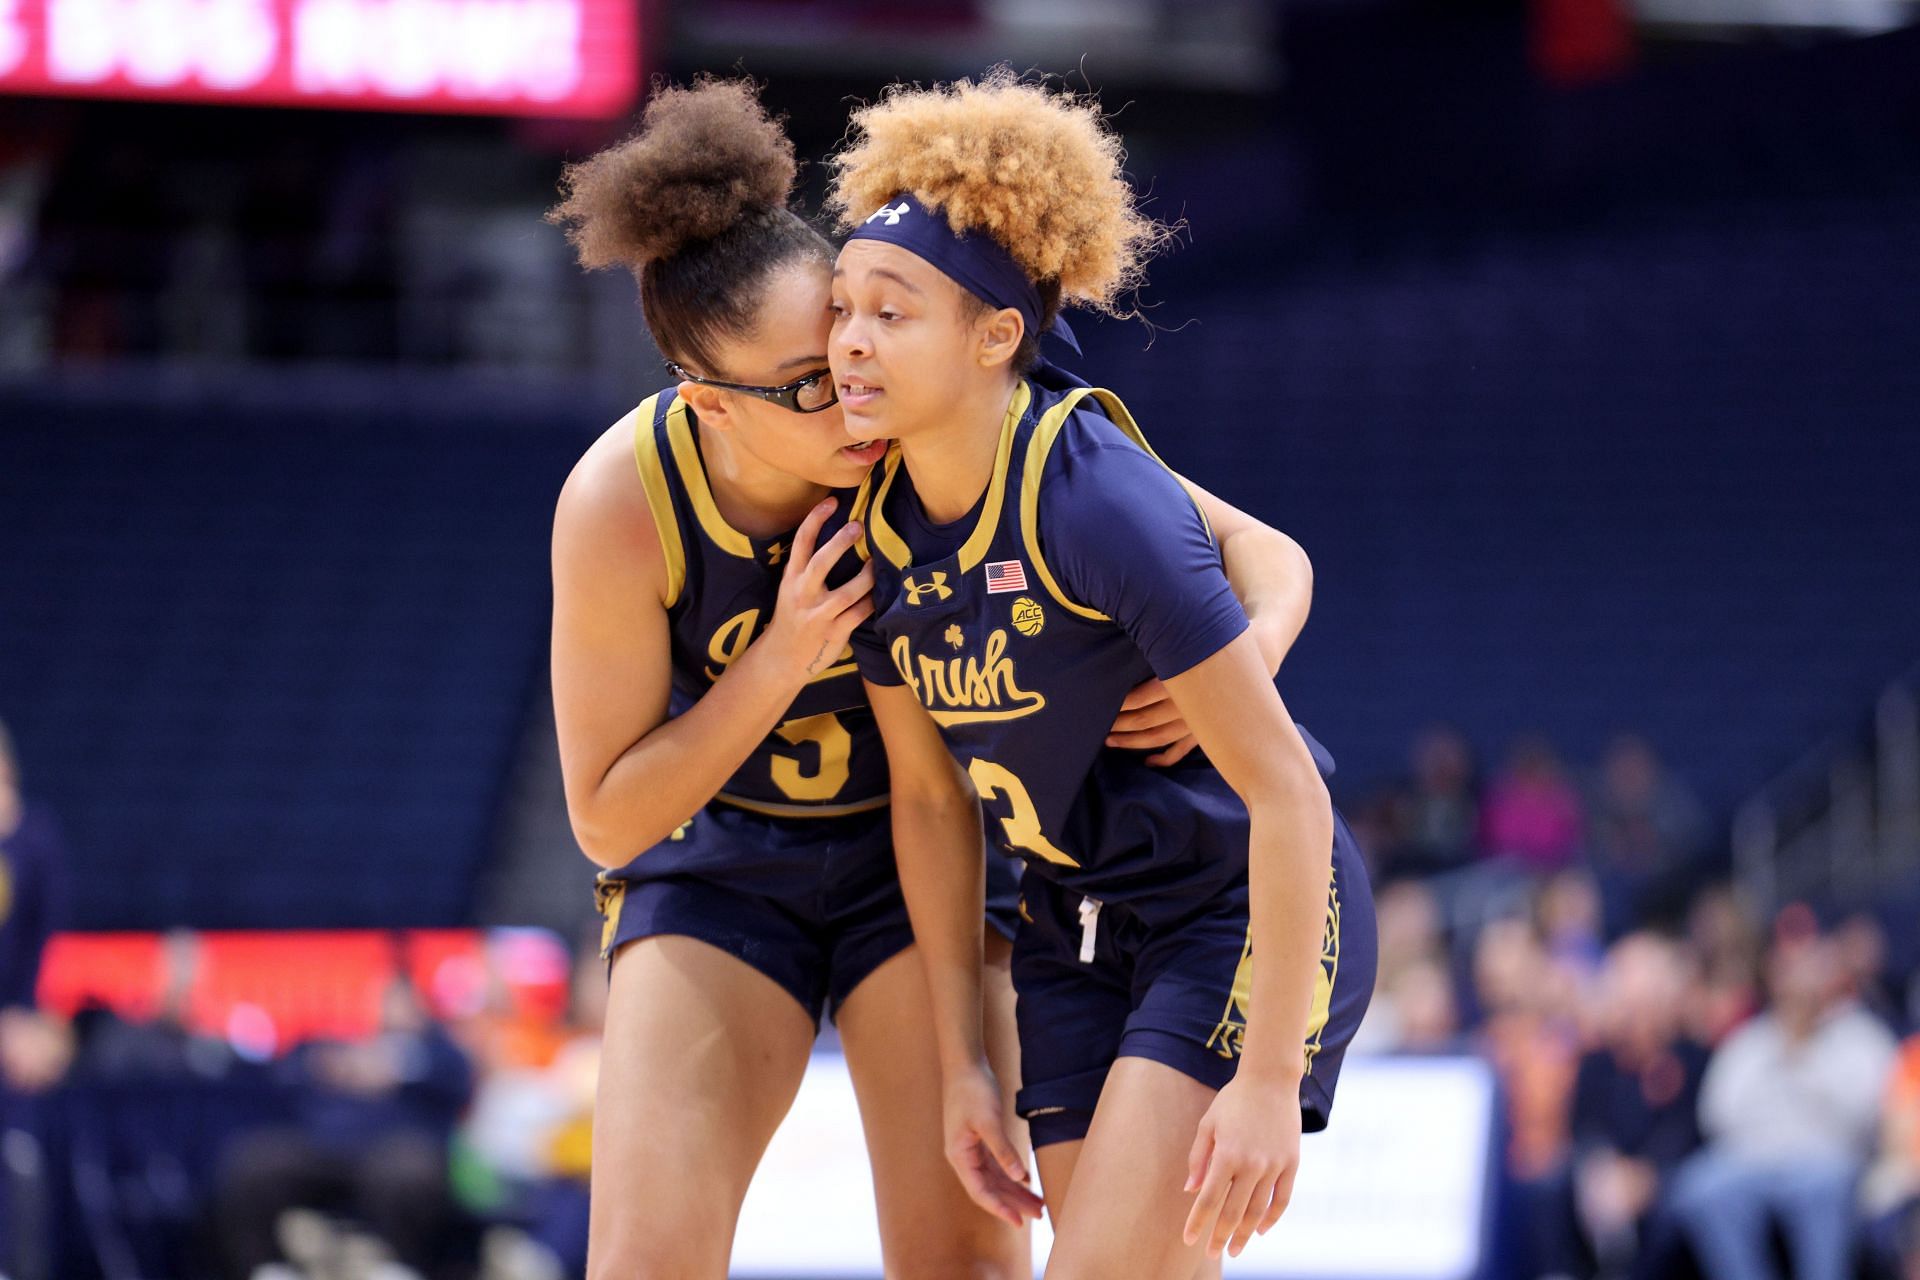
[[668, 1256], [965, 1264]]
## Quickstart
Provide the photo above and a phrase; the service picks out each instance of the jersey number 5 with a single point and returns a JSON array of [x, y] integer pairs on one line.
[[1022, 825], [835, 744]]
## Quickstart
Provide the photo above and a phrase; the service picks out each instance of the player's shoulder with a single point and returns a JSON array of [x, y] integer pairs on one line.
[[1092, 461], [606, 507]]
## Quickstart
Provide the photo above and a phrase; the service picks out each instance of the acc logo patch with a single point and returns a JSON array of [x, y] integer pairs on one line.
[[1028, 617]]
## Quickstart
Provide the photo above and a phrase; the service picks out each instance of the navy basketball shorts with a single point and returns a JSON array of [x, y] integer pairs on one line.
[[1173, 992], [812, 903]]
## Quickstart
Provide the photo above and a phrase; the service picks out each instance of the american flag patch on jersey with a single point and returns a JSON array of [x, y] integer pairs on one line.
[[1005, 575]]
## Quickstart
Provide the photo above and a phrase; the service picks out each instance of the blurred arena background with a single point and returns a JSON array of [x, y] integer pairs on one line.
[[1578, 341]]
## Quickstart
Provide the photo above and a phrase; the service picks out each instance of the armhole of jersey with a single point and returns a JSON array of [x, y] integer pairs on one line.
[[1045, 432], [653, 478], [1040, 446], [1118, 414]]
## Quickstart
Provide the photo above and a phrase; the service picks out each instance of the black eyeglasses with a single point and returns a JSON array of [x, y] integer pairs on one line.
[[810, 394]]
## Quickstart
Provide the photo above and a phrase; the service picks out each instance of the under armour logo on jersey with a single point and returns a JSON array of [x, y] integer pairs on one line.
[[891, 214], [938, 588], [776, 552]]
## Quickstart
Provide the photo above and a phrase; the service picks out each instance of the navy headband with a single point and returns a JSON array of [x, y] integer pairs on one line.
[[972, 260]]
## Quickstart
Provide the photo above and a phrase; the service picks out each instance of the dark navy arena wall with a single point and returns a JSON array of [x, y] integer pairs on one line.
[[1596, 408], [266, 646], [1666, 479]]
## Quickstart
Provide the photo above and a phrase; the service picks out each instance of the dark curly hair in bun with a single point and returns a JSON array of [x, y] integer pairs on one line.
[[695, 205]]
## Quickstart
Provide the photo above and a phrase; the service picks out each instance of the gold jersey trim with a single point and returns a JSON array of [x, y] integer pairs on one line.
[[863, 497], [653, 479], [774, 809], [974, 549], [693, 478]]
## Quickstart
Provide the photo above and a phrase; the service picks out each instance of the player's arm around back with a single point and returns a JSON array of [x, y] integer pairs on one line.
[[631, 774], [1270, 574], [1273, 580]]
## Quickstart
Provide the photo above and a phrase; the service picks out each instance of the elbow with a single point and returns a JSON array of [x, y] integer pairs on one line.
[[602, 843], [944, 798], [1302, 568], [600, 850], [1289, 784]]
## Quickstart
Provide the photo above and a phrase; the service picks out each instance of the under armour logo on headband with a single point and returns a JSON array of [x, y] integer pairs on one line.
[[892, 215]]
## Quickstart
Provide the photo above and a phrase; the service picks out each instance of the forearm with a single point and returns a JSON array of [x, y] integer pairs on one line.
[[940, 853], [1290, 871], [663, 779]]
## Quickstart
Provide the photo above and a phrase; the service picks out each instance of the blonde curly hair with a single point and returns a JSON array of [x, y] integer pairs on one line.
[[1038, 171]]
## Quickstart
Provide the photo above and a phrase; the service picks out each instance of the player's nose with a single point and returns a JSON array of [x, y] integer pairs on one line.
[[848, 343]]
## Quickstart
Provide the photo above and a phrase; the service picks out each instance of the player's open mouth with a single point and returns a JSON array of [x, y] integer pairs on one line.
[[866, 454], [855, 394]]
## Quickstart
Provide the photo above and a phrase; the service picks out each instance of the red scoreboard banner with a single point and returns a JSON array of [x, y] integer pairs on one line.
[[570, 58]]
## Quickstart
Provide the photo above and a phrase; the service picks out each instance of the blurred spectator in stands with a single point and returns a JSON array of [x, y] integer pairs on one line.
[[33, 874], [1891, 1192], [34, 1048], [374, 1120], [533, 1126], [1533, 816], [164, 1046], [1867, 970], [108, 218], [1635, 1104], [1569, 912], [26, 161], [1790, 1107], [1644, 824], [1407, 918], [1418, 1010], [1528, 1035], [1725, 940], [1436, 818], [526, 1146]]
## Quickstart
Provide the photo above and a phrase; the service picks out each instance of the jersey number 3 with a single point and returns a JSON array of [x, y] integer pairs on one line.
[[830, 774], [1022, 825]]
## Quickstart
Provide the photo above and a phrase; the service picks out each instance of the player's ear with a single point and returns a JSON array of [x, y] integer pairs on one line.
[[999, 337], [707, 404]]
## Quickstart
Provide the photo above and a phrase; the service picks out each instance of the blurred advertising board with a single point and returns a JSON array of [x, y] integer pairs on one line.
[[565, 58], [1398, 1188]]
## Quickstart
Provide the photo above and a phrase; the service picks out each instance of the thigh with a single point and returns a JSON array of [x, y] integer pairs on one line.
[[701, 1057], [1057, 1161], [1126, 1205], [929, 1226]]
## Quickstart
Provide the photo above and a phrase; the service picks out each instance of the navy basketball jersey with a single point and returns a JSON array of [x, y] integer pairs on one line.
[[1024, 676], [825, 758]]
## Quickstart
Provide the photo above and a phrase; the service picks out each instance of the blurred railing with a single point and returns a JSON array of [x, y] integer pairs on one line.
[[1844, 821]]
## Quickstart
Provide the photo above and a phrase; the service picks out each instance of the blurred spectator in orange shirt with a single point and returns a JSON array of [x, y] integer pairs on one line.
[[1891, 1192]]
